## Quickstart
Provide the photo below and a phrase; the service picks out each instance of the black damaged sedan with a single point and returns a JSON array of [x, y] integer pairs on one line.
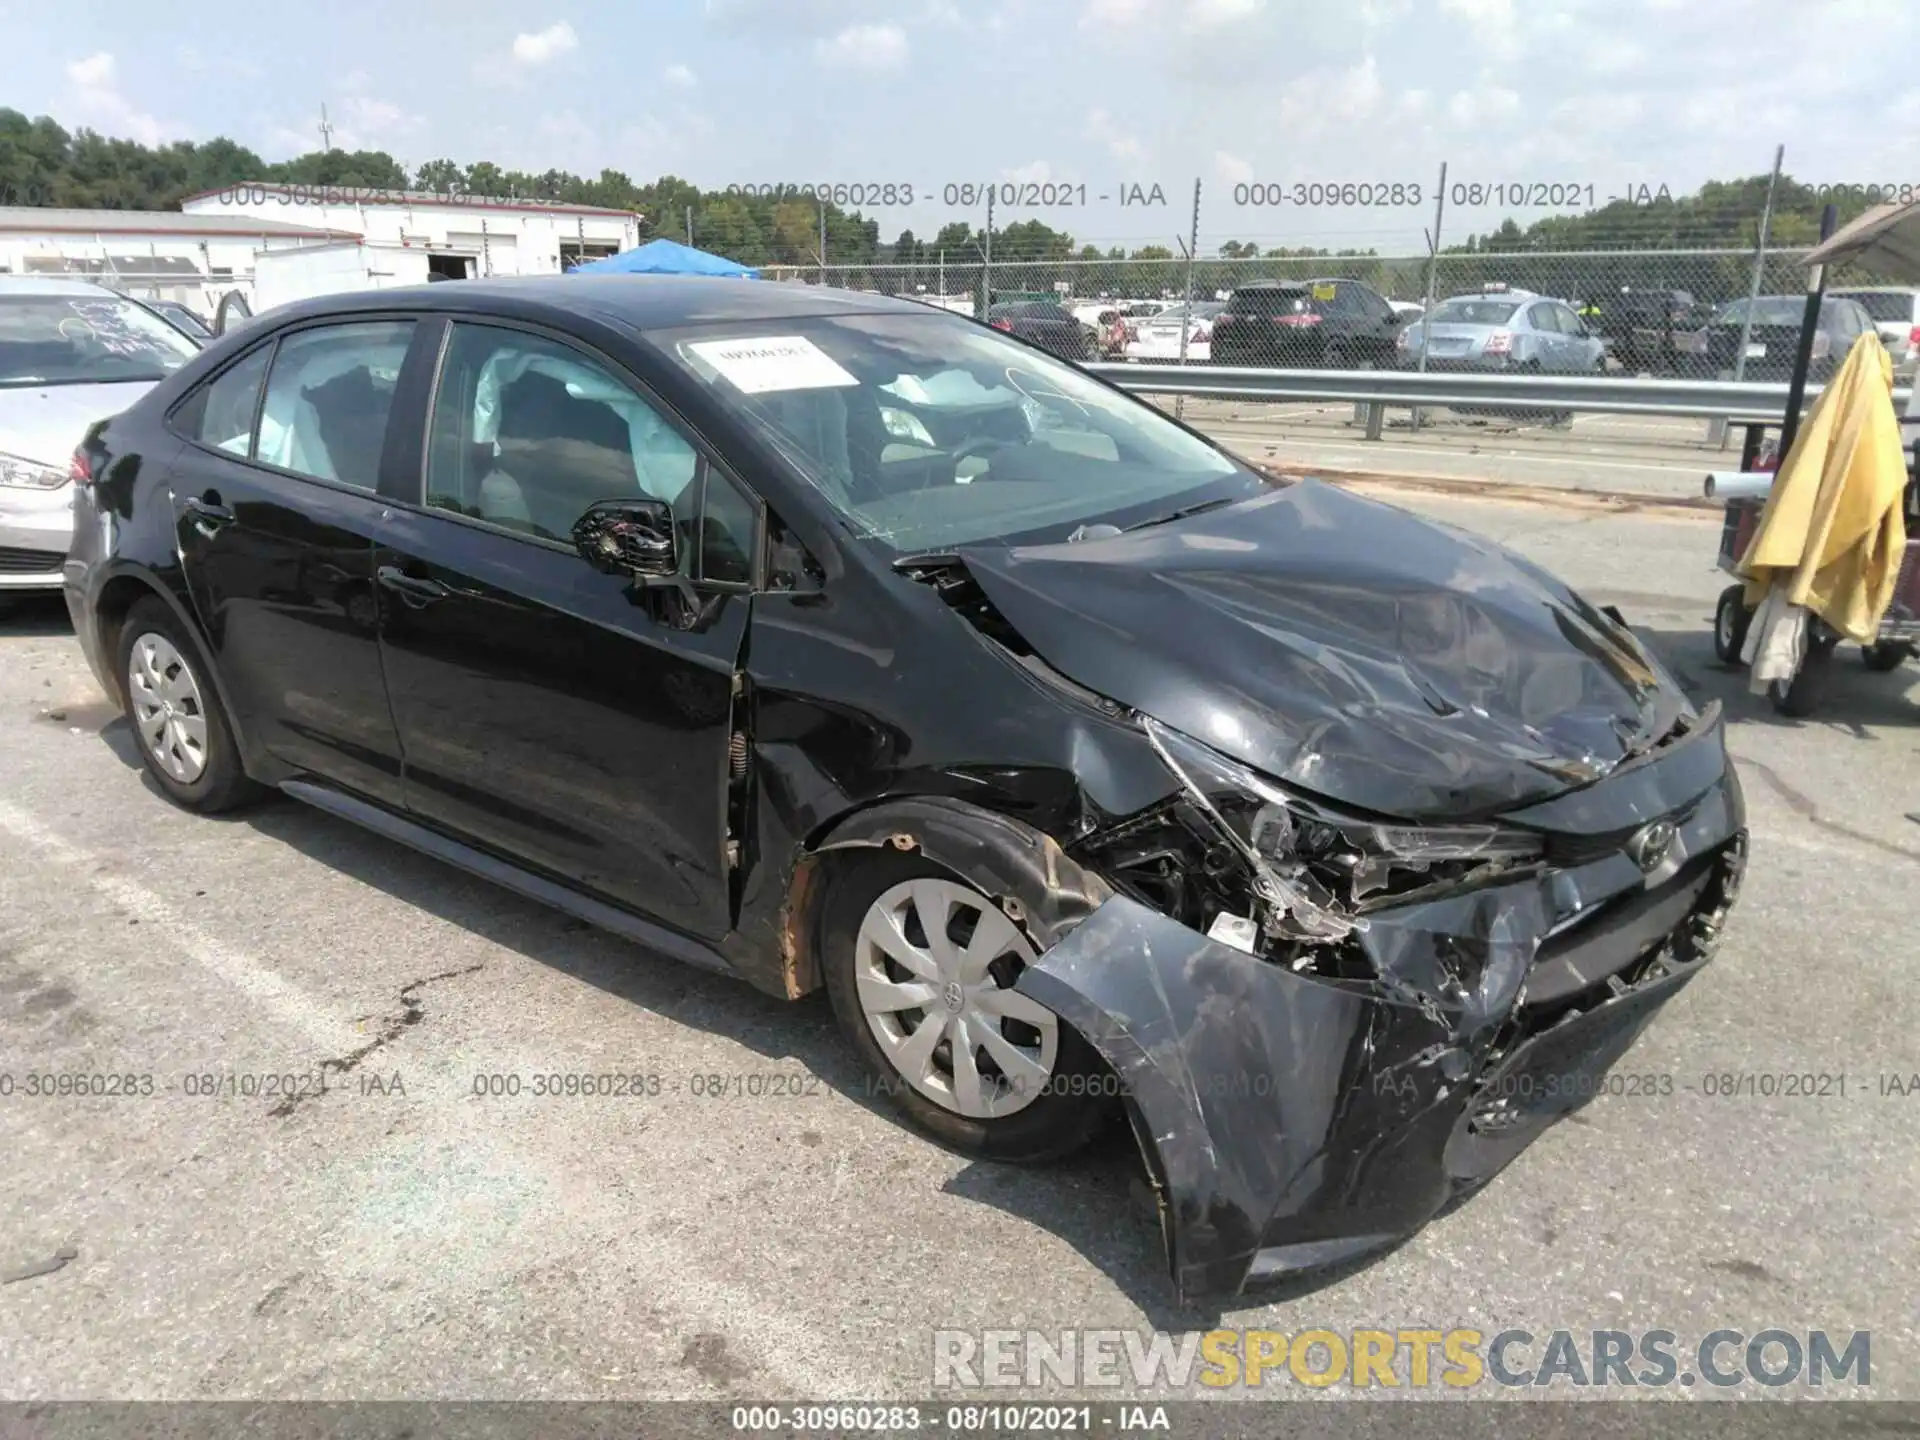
[[835, 642]]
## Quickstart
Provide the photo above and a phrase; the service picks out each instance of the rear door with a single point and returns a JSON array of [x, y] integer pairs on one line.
[[564, 718], [276, 503]]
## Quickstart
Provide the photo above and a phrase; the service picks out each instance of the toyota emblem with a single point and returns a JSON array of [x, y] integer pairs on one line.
[[1651, 844]]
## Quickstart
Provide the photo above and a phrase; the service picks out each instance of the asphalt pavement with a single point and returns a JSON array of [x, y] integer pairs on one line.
[[726, 1236]]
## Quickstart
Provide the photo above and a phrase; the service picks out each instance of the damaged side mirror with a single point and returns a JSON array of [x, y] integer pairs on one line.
[[630, 537], [638, 539]]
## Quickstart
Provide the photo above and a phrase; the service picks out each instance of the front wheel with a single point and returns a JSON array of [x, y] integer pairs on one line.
[[920, 967], [1800, 696], [1730, 621]]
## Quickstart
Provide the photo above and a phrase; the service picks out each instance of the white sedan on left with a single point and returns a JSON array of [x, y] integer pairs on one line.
[[71, 353]]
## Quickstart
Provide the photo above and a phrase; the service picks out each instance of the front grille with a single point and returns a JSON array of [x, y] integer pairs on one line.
[[14, 560]]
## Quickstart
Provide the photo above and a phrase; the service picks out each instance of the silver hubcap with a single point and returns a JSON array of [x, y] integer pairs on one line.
[[167, 710], [935, 965]]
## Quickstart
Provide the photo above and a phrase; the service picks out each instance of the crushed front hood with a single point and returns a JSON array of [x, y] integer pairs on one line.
[[1357, 650]]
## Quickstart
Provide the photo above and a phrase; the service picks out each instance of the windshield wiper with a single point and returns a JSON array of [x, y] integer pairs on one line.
[[1200, 509]]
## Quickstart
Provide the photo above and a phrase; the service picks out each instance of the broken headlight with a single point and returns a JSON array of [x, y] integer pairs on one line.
[[1316, 870]]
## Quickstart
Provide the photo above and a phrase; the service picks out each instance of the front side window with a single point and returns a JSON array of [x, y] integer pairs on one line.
[[86, 339], [924, 431], [328, 396], [527, 433]]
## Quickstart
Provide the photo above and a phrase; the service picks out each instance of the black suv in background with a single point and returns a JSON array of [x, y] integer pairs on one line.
[[1638, 328], [1341, 324]]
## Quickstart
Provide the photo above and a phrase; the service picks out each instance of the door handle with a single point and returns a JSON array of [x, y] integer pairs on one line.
[[208, 512], [412, 588]]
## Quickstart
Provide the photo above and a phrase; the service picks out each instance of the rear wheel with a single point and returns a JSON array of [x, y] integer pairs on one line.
[[920, 967], [185, 739], [1884, 655], [1730, 620]]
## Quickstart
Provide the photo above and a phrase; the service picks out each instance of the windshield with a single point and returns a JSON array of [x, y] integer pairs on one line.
[[1774, 310], [929, 432], [1475, 312], [85, 339]]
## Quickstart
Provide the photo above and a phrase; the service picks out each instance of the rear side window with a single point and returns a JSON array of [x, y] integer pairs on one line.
[[220, 415], [328, 397], [1895, 308]]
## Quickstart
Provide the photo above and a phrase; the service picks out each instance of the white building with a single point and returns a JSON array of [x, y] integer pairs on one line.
[[464, 235], [157, 254]]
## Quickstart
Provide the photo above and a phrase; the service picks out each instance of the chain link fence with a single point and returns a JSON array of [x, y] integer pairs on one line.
[[1650, 308]]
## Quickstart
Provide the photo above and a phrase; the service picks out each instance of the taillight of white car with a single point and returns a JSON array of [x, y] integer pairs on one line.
[[19, 473]]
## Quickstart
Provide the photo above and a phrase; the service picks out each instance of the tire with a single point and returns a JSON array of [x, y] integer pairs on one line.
[[1730, 620], [1054, 1110], [179, 724], [1800, 696], [1884, 655]]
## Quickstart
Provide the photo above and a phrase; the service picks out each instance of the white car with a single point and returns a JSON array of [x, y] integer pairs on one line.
[[1896, 315], [71, 353], [1157, 337]]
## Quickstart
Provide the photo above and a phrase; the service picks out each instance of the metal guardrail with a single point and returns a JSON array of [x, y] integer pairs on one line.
[[1743, 402]]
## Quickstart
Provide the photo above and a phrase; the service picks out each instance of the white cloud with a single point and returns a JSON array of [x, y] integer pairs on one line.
[[96, 96], [1231, 169], [1484, 106], [94, 72], [1492, 22], [1330, 99], [542, 46], [864, 47], [680, 77], [1113, 14], [1120, 145], [1034, 172], [1212, 14]]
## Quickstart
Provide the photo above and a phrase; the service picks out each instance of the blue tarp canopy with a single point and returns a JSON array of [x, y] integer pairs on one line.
[[664, 257]]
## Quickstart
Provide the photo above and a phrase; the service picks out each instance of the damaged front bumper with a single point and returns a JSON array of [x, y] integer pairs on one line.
[[1294, 1121]]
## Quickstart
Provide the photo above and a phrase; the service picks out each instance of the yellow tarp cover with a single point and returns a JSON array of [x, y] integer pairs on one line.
[[1832, 532]]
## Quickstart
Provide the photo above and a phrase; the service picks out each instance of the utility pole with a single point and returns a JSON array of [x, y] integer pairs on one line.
[[1433, 265], [326, 130], [823, 242], [1717, 431], [1191, 245], [689, 210]]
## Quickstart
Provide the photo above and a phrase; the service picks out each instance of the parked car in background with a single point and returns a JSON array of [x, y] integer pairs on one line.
[[1773, 341], [71, 353], [1052, 327], [1157, 337], [1407, 310], [1112, 333], [1895, 310], [1638, 326], [1337, 323], [196, 326], [1070, 756], [1502, 330]]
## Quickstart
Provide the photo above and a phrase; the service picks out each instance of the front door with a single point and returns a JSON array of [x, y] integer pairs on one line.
[[275, 508], [555, 715]]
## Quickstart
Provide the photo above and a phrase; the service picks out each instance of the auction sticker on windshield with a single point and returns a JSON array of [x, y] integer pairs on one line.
[[765, 363]]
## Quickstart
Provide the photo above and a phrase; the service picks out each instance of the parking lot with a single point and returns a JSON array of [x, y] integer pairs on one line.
[[400, 1235]]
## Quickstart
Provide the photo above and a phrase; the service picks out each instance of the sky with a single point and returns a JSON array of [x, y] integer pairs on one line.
[[1596, 97]]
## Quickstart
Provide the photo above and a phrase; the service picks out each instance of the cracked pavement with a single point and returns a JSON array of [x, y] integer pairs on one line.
[[380, 1229]]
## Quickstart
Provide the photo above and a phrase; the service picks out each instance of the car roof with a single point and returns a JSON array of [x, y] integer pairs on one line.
[[1876, 290], [47, 285], [645, 302]]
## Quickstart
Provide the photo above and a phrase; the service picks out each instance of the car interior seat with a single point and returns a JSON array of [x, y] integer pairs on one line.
[[558, 453]]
